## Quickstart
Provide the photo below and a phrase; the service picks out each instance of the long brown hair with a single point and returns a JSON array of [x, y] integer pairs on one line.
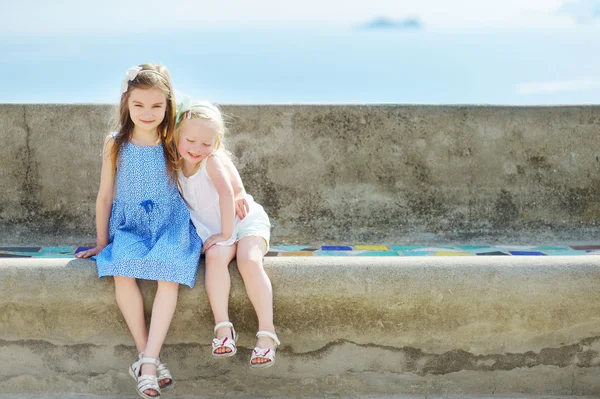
[[124, 125]]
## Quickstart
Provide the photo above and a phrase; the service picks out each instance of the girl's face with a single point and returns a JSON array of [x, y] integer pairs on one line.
[[147, 108], [197, 138]]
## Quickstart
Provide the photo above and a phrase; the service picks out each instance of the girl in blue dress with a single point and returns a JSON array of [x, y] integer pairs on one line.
[[143, 226]]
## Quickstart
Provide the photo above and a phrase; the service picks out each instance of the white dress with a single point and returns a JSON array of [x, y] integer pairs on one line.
[[203, 201]]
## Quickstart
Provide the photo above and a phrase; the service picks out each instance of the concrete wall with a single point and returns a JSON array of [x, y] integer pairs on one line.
[[337, 173], [348, 326]]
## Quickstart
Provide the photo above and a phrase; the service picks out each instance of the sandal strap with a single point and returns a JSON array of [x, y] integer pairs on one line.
[[269, 334], [149, 360], [226, 342], [145, 382], [163, 372], [264, 353], [222, 324]]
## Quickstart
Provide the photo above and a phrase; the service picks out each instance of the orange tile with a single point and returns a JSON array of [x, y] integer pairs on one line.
[[297, 254]]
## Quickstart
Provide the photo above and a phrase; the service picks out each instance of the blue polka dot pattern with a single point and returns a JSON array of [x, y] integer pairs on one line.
[[151, 236]]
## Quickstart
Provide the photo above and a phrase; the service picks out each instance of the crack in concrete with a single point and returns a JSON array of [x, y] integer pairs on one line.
[[416, 360]]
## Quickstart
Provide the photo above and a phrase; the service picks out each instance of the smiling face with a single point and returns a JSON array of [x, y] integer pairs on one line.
[[198, 138], [147, 108]]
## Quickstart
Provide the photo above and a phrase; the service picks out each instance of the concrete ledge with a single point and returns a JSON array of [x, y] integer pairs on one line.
[[349, 326]]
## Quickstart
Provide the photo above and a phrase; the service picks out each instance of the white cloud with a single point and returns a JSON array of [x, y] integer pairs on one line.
[[558, 86], [584, 11], [106, 16]]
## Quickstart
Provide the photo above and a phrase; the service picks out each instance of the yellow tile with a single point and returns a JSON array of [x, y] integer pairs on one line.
[[297, 253], [372, 247], [443, 253]]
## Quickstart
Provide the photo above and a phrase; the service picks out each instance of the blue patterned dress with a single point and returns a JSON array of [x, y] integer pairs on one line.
[[151, 236]]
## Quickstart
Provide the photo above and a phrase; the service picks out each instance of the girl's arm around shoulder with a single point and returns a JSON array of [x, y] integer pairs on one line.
[[103, 200], [220, 178]]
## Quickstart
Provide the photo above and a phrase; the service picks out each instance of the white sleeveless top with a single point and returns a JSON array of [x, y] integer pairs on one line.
[[202, 199]]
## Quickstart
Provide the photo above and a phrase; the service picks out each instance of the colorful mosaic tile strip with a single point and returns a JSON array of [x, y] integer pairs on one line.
[[352, 250]]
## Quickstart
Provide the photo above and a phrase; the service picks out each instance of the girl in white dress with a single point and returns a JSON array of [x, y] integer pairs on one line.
[[206, 187]]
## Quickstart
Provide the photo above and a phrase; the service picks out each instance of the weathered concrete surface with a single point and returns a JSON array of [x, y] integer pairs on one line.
[[338, 173], [349, 326]]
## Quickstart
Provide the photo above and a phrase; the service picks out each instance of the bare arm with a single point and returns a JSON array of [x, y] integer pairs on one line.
[[104, 200], [234, 177], [220, 178], [241, 205]]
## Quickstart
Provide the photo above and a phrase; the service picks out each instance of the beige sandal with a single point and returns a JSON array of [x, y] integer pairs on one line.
[[264, 353], [225, 342], [145, 381], [162, 373]]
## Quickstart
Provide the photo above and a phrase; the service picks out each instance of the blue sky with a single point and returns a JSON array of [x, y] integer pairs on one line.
[[81, 16]]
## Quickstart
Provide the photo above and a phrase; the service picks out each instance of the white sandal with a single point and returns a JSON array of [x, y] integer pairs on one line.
[[264, 353], [225, 342], [162, 373], [145, 381]]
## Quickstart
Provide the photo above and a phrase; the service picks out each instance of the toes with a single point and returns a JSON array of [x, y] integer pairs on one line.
[[164, 382]]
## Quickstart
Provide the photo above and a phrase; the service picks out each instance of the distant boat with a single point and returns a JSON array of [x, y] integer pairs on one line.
[[387, 23]]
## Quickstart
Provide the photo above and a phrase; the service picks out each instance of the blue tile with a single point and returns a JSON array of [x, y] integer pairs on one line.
[[527, 253], [80, 249], [336, 248]]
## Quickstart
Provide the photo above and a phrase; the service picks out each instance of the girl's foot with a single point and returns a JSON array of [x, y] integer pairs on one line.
[[149, 369], [165, 380], [223, 345], [263, 354], [144, 372]]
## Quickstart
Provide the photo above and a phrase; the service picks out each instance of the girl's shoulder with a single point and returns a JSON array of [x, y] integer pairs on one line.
[[212, 163]]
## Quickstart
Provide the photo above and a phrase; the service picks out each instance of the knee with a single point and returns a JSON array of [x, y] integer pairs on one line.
[[215, 258], [247, 265], [168, 286]]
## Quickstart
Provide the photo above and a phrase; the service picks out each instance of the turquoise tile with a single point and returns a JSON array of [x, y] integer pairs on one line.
[[563, 253], [468, 247], [58, 249], [550, 248], [331, 253], [290, 248], [53, 255], [378, 253], [415, 253], [405, 247]]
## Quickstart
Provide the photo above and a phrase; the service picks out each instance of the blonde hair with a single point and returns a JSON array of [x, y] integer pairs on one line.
[[158, 79], [199, 110]]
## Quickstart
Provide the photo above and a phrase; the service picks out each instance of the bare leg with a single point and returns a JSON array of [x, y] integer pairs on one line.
[[162, 314], [250, 254], [218, 284], [130, 301]]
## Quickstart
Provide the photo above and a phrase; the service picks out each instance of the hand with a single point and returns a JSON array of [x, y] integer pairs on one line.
[[212, 240], [241, 207], [90, 252]]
